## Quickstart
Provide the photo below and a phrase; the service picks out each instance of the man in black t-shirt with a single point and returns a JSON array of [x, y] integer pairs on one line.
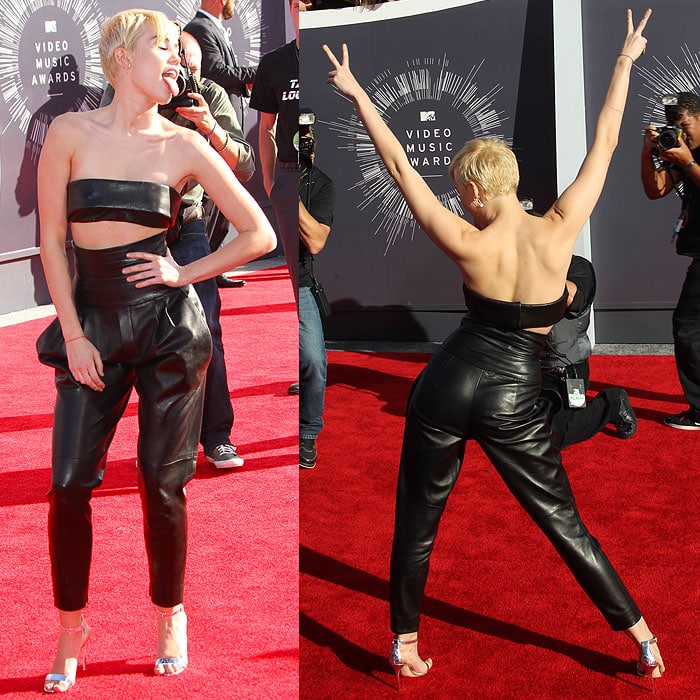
[[276, 97], [316, 204], [663, 171]]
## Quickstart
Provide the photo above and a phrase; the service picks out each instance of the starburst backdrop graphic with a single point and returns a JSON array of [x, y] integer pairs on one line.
[[668, 77], [432, 110], [19, 92]]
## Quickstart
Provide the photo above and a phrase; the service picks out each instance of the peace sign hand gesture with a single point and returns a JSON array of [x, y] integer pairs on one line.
[[635, 44], [341, 77]]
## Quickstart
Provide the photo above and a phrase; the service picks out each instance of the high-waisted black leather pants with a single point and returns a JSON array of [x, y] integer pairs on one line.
[[157, 340], [483, 384]]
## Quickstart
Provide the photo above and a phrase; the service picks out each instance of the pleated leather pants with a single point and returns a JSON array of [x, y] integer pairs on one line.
[[154, 339], [483, 384]]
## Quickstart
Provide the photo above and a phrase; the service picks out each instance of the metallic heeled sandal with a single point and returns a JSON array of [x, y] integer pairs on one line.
[[647, 661], [53, 681], [398, 664], [180, 662]]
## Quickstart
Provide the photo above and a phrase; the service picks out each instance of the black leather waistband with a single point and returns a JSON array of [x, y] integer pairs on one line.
[[100, 282], [512, 315]]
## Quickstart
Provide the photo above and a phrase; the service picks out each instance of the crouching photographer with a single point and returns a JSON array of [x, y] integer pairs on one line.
[[670, 157], [203, 105], [316, 204]]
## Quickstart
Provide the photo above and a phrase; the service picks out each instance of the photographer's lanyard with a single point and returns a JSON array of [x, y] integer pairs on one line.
[[679, 187], [680, 223]]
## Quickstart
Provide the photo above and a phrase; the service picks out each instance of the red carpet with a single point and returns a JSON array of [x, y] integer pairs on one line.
[[503, 617], [242, 582]]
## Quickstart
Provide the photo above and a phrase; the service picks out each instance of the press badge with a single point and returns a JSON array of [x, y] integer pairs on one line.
[[576, 392], [680, 223]]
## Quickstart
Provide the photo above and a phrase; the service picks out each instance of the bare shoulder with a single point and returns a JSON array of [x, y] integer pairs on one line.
[[555, 222], [182, 136], [78, 125], [71, 122]]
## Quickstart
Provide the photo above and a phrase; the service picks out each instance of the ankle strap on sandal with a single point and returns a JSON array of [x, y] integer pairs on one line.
[[74, 630], [405, 641], [177, 609], [648, 642]]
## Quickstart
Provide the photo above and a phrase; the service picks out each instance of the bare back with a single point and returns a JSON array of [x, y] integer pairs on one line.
[[517, 257]]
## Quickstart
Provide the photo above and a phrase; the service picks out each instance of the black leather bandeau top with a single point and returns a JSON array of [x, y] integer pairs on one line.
[[512, 315], [146, 203]]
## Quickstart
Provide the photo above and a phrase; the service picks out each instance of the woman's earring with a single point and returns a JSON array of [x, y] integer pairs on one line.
[[479, 203]]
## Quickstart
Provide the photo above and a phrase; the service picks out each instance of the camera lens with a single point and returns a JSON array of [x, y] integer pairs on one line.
[[668, 138]]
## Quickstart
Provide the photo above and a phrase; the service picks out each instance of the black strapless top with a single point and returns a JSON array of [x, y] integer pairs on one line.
[[512, 315], [146, 203]]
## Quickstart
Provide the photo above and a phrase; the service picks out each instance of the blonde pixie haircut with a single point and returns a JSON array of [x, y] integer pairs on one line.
[[124, 30], [489, 163]]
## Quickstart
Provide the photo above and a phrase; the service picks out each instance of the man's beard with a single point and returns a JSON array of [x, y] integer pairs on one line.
[[227, 10]]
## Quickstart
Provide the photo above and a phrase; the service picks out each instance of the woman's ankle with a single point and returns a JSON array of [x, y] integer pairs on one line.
[[639, 632]]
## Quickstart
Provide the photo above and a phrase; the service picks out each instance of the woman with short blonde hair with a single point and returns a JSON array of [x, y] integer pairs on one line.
[[130, 319], [484, 382]]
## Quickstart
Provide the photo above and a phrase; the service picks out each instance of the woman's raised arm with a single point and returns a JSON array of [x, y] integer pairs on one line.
[[442, 226], [576, 203]]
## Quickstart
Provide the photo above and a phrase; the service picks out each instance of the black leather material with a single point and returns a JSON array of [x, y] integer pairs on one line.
[[512, 315], [154, 339], [146, 203], [488, 392]]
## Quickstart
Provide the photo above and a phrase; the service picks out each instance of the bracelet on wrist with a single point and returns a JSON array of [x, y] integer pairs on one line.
[[687, 167], [626, 55], [218, 150], [209, 133], [78, 337]]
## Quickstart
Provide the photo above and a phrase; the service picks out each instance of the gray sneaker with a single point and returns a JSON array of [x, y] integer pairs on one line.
[[307, 453], [224, 456], [682, 421]]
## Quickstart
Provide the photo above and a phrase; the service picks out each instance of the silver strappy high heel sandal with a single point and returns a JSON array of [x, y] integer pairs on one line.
[[401, 668], [165, 663], [61, 682], [647, 661]]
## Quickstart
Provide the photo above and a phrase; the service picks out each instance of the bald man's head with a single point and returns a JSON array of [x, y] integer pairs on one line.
[[193, 52]]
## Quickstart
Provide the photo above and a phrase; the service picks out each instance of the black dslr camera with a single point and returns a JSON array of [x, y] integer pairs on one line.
[[185, 83], [670, 135]]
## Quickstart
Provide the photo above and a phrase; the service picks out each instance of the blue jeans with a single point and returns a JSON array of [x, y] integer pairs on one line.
[[217, 419], [284, 198], [312, 366]]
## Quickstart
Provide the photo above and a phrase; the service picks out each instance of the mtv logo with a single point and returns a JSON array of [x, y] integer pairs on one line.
[[428, 116], [50, 26]]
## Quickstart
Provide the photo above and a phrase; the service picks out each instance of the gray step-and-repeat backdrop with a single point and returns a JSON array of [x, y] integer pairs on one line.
[[49, 65], [455, 70], [449, 73]]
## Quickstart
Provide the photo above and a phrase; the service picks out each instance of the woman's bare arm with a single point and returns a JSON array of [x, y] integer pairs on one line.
[[255, 237], [52, 178], [444, 228], [576, 203]]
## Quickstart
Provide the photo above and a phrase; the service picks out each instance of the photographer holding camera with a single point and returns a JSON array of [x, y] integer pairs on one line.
[[670, 157], [204, 105], [316, 204]]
